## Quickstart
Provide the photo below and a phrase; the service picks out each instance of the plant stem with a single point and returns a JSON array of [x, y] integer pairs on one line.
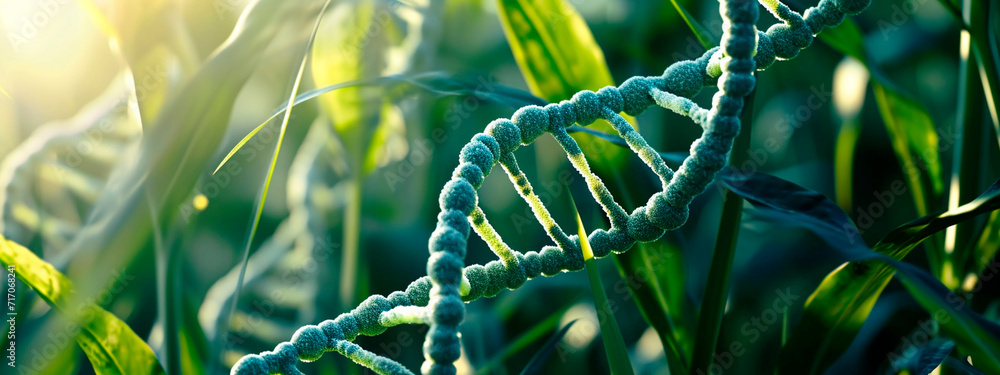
[[713, 305], [352, 242]]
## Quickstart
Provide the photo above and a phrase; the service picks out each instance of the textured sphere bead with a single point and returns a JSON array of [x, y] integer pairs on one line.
[[443, 345], [531, 263], [620, 240], [419, 291], [348, 325], [600, 243], [472, 173], [725, 126], [456, 220], [635, 93], [788, 41], [641, 229], [332, 331], [506, 133], [490, 143], [684, 78], [742, 41], [477, 277], [397, 299], [739, 84], [853, 6], [552, 260], [496, 278], [588, 107], [765, 51], [458, 194], [310, 341], [445, 268], [611, 98], [663, 215], [478, 154], [556, 118], [448, 240], [368, 313], [283, 357], [532, 121], [251, 365], [448, 311]]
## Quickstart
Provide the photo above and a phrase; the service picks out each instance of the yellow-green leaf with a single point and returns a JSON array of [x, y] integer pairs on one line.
[[111, 346], [558, 57]]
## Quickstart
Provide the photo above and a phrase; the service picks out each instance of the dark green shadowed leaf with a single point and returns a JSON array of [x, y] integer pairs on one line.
[[538, 360], [111, 346], [836, 310]]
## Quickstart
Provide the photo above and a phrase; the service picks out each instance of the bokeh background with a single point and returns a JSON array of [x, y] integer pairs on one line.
[[89, 90]]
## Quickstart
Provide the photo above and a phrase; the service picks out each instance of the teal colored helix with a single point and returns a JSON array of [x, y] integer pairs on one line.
[[439, 299]]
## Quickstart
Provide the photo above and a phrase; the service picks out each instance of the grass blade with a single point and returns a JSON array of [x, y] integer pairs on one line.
[[522, 341], [538, 360], [611, 335], [111, 346], [700, 32], [258, 210]]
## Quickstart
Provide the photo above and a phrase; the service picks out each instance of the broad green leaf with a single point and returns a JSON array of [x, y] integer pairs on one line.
[[911, 129], [611, 335], [836, 310], [558, 57], [111, 346]]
